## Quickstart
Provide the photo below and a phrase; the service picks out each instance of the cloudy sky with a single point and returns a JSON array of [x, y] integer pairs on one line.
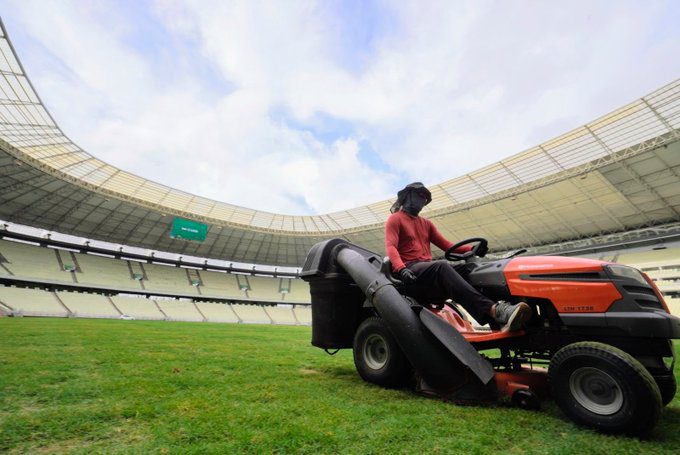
[[306, 107]]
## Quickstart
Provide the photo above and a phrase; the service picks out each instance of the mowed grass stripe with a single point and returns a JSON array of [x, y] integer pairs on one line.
[[78, 385]]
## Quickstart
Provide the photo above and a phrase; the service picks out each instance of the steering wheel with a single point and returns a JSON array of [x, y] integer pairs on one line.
[[481, 244]]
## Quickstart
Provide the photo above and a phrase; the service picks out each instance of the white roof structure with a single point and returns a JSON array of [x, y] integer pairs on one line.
[[617, 173]]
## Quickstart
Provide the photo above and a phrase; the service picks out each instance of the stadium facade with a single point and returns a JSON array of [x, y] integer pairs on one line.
[[617, 177]]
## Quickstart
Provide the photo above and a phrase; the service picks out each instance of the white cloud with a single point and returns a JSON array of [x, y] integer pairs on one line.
[[442, 89]]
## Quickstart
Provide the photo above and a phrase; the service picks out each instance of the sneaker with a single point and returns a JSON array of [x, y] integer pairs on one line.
[[512, 317]]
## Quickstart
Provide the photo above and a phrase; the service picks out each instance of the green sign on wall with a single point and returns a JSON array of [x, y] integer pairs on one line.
[[188, 230]]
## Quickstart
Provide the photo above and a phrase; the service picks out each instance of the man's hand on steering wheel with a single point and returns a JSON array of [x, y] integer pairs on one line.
[[480, 249]]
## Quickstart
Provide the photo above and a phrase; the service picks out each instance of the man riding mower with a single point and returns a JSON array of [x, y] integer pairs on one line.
[[596, 335]]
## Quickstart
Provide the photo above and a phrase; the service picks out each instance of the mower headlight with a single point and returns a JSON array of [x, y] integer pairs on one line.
[[622, 271]]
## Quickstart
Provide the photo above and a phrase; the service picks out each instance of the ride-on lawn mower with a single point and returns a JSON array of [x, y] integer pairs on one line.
[[602, 330]]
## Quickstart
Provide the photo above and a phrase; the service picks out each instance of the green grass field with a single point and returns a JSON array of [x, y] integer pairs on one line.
[[83, 386]]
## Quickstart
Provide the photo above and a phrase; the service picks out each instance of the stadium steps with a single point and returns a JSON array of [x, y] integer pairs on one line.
[[67, 264], [60, 302], [194, 280], [279, 315], [303, 314], [139, 308], [165, 316], [180, 310], [75, 261], [4, 270], [86, 305], [219, 285], [5, 310], [217, 312], [238, 318], [31, 261], [298, 292], [32, 302], [137, 272], [251, 314], [114, 305], [264, 289], [200, 312], [104, 271]]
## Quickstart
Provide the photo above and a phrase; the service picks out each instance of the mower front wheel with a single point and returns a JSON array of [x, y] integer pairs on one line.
[[603, 387], [377, 356]]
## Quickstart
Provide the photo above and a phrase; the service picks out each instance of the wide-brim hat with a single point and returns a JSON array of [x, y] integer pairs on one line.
[[401, 195]]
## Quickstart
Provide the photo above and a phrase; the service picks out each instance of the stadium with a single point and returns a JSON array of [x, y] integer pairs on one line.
[[93, 247]]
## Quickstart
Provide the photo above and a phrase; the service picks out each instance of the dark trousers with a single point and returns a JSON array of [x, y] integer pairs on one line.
[[439, 280]]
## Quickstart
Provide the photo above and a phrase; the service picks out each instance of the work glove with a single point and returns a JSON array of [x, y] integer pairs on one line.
[[482, 250], [407, 276]]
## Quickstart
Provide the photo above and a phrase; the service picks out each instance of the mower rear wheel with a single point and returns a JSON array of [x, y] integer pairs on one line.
[[377, 356], [603, 387]]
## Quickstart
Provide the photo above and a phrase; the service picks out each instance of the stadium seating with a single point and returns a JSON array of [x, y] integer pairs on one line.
[[33, 262], [668, 287], [251, 314], [88, 305], [303, 314], [298, 291], [217, 312], [281, 314], [32, 302], [107, 272], [61, 266], [164, 278], [660, 274], [220, 284], [662, 266], [139, 308], [29, 261], [261, 288], [179, 310], [653, 258], [673, 305]]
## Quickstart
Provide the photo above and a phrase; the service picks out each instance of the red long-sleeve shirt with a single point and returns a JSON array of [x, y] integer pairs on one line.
[[408, 238]]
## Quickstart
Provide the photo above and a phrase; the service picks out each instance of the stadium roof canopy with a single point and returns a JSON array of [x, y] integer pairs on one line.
[[618, 173]]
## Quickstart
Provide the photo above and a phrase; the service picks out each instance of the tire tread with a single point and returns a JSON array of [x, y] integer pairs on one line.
[[623, 361]]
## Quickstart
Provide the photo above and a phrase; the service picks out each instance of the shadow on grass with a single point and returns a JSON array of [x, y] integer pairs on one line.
[[665, 432], [342, 372], [667, 429]]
